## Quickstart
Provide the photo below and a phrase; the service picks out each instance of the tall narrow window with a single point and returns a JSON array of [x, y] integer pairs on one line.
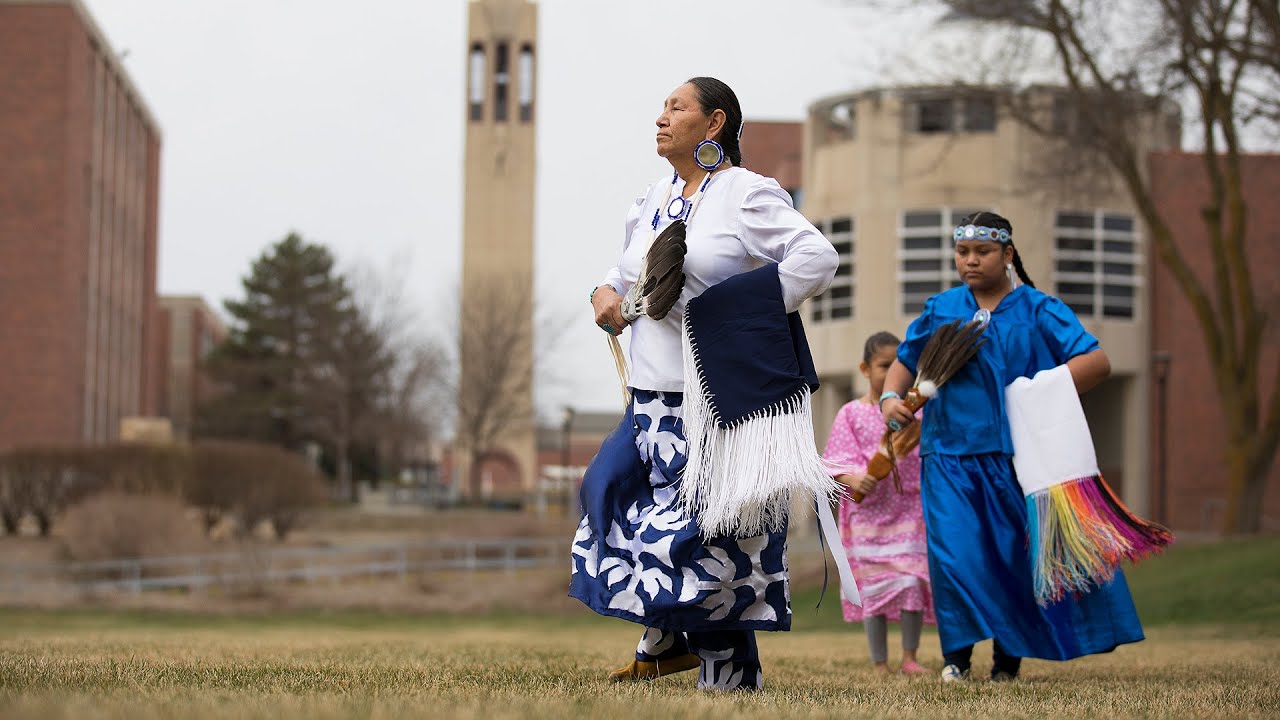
[[501, 81], [477, 82], [526, 83], [837, 302]]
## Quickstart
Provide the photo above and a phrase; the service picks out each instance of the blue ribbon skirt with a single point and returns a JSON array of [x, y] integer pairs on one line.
[[638, 556], [980, 568]]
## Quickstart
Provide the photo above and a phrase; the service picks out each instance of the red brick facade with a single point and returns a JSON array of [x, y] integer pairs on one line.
[[78, 217], [776, 150], [187, 330], [1194, 488]]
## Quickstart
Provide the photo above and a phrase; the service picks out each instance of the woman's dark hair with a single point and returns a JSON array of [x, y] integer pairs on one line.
[[714, 95], [877, 341], [986, 218]]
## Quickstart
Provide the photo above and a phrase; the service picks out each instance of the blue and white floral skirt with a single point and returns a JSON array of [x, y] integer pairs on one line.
[[639, 557]]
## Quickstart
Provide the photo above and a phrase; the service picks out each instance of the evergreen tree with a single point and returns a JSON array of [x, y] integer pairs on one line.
[[293, 302]]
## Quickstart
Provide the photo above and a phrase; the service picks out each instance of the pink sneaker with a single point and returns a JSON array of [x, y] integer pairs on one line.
[[914, 668]]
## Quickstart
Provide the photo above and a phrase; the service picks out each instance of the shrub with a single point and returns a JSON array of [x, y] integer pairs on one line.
[[257, 482], [42, 482], [250, 481], [113, 524]]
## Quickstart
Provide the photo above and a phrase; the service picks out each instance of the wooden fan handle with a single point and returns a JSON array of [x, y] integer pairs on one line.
[[914, 400], [879, 468], [903, 442]]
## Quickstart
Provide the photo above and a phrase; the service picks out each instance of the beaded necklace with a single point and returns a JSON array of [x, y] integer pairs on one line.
[[683, 211], [632, 305]]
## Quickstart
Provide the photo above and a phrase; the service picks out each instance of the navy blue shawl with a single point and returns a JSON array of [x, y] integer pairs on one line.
[[752, 355]]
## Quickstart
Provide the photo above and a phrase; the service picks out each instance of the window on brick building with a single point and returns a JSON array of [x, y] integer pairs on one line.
[[926, 258], [837, 302], [1095, 263]]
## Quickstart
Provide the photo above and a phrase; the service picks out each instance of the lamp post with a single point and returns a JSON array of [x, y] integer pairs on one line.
[[1160, 361], [566, 428]]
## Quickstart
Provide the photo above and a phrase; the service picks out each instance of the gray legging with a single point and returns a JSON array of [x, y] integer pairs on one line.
[[878, 633]]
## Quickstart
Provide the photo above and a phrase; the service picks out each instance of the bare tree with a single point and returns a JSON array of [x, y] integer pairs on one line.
[[494, 391], [349, 377], [251, 482], [415, 389], [1222, 59], [411, 411]]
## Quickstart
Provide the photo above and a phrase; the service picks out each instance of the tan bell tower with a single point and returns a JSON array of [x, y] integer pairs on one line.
[[497, 255]]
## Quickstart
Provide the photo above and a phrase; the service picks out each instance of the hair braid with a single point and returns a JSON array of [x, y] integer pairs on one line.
[[1017, 266]]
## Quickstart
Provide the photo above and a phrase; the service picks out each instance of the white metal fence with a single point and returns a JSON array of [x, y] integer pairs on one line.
[[258, 566]]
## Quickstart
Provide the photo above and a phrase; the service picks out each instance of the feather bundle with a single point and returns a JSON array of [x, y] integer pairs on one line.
[[664, 271], [948, 349]]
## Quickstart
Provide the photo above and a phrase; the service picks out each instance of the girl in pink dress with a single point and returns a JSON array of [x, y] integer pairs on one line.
[[884, 535]]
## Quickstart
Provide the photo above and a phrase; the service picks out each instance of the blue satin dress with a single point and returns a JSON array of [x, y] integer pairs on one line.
[[975, 514]]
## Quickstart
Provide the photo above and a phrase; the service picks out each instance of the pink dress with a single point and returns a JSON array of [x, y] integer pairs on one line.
[[884, 535]]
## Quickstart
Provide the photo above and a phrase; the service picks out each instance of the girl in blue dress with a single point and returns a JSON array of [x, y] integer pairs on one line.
[[975, 515]]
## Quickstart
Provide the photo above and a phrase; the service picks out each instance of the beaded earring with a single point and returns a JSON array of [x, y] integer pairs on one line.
[[708, 154]]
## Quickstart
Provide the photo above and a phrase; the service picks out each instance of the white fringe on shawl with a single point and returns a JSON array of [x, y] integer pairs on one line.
[[740, 481]]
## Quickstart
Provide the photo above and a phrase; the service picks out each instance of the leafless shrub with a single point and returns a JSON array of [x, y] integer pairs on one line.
[[254, 482], [114, 524]]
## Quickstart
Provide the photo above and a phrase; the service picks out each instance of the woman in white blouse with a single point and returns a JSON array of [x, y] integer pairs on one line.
[[637, 554]]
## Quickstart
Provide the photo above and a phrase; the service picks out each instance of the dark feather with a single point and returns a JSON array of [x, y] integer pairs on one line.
[[665, 271], [930, 352], [950, 347]]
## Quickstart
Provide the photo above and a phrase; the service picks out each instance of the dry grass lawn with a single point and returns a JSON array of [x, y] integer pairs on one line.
[[113, 665], [515, 647]]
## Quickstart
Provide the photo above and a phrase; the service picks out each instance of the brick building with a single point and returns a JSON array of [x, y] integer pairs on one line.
[[187, 330], [78, 215], [776, 150], [1187, 481]]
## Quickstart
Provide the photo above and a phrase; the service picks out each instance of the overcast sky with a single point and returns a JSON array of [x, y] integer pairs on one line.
[[344, 121]]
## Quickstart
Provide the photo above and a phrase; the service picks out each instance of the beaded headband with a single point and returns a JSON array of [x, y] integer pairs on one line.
[[981, 233]]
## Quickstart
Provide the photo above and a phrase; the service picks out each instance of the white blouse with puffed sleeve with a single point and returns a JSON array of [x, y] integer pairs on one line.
[[743, 221]]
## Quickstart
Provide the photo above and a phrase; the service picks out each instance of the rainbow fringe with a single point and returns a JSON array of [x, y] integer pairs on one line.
[[1080, 532]]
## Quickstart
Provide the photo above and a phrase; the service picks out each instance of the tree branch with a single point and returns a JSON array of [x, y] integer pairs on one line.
[[1252, 322]]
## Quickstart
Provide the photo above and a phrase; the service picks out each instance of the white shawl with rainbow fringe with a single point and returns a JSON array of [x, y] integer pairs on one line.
[[1079, 530]]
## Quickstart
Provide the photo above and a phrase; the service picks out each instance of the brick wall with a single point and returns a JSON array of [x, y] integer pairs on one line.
[[1195, 484], [41, 366], [78, 190], [774, 149]]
